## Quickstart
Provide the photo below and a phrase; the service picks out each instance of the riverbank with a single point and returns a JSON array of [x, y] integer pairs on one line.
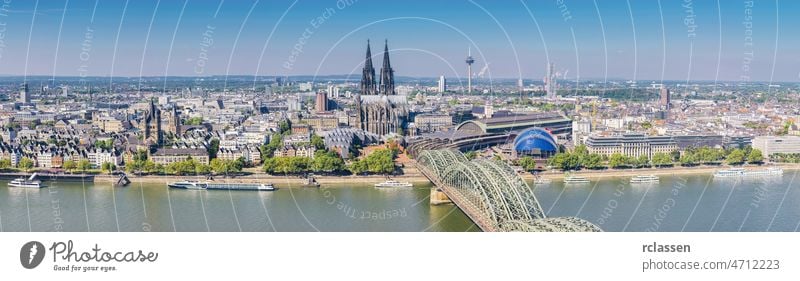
[[410, 174], [278, 180], [614, 173]]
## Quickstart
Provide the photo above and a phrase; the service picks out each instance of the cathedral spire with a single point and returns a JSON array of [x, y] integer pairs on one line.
[[387, 73], [368, 75]]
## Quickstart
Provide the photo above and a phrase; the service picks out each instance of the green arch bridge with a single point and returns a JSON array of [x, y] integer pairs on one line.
[[492, 194]]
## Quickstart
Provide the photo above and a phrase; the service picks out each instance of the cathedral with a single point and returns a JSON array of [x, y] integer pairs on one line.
[[380, 110]]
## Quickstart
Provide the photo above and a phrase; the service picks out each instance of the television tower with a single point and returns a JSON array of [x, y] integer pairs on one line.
[[470, 61]]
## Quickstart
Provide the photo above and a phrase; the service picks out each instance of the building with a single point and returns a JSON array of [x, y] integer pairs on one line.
[[368, 86], [665, 98], [770, 145], [8, 134], [554, 122], [109, 124], [293, 104], [151, 125], [483, 133], [301, 129], [99, 156], [321, 104], [380, 111], [166, 156], [345, 140], [321, 123], [631, 144], [442, 84], [24, 95], [250, 154], [535, 142], [174, 121], [428, 123], [333, 92], [551, 81], [305, 150]]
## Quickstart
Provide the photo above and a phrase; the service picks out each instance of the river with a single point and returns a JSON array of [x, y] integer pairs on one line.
[[677, 203]]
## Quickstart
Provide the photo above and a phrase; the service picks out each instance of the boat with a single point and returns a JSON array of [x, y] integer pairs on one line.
[[645, 179], [393, 183], [764, 172], [222, 186], [29, 182], [740, 172], [541, 180], [189, 185], [575, 179]]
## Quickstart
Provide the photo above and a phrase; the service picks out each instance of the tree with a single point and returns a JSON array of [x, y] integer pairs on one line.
[[593, 161], [84, 165], [152, 168], [202, 169], [675, 155], [141, 155], [662, 159], [220, 166], [132, 167], [755, 156], [581, 150], [285, 127], [736, 157], [358, 167], [327, 161], [643, 161], [527, 163], [560, 160], [106, 144], [380, 161], [184, 167], [70, 165], [25, 164], [317, 142], [194, 121], [617, 160], [688, 159], [109, 167], [213, 148], [275, 142], [5, 163]]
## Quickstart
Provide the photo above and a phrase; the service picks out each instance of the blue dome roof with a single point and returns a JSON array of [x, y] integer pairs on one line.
[[535, 138]]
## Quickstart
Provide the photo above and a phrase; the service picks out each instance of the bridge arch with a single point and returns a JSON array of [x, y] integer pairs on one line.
[[493, 193]]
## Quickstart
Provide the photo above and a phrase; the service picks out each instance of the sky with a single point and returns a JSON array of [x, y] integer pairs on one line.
[[602, 39]]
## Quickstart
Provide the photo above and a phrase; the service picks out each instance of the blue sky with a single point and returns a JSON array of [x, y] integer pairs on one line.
[[613, 38]]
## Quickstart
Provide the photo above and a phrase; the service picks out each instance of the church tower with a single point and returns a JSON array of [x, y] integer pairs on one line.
[[368, 75], [387, 73], [151, 125]]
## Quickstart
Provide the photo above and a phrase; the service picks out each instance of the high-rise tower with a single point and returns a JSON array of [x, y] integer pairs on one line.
[[665, 98], [387, 74], [551, 81], [368, 75], [469, 61], [24, 96]]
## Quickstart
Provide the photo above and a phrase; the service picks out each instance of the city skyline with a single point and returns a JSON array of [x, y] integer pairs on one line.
[[613, 40]]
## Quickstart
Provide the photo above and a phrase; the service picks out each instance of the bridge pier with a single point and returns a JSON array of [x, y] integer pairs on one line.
[[438, 197]]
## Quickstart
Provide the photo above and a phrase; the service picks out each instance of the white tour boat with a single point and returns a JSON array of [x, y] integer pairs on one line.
[[393, 183]]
